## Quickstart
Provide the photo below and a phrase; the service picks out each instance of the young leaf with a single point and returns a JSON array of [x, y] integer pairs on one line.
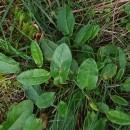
[[62, 109], [106, 51], [87, 74], [17, 115], [122, 58], [120, 74], [95, 31], [65, 21], [118, 117], [103, 107], [8, 65], [60, 64], [48, 47], [119, 100], [109, 71], [45, 100], [83, 35], [126, 85], [36, 54], [34, 77]]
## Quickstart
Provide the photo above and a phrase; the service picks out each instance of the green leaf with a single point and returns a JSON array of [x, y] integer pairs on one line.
[[103, 107], [118, 117], [8, 65], [60, 64], [34, 77], [100, 65], [87, 52], [36, 54], [122, 58], [119, 100], [45, 100], [17, 115], [107, 51], [73, 69], [62, 109], [109, 71], [100, 124], [64, 40], [126, 85], [89, 121], [95, 31], [87, 74], [66, 21], [128, 26], [120, 74], [34, 124], [83, 35], [48, 47], [31, 92]]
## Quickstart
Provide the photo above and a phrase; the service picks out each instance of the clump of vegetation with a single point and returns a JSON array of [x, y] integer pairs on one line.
[[65, 69]]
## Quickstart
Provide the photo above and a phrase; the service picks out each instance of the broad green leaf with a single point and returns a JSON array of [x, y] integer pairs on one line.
[[36, 54], [103, 107], [118, 117], [64, 40], [8, 65], [62, 109], [120, 74], [45, 100], [34, 124], [122, 58], [60, 64], [95, 31], [126, 85], [83, 35], [17, 115], [32, 92], [100, 124], [107, 51], [87, 74], [34, 77], [109, 71], [66, 21], [48, 47], [119, 100]]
